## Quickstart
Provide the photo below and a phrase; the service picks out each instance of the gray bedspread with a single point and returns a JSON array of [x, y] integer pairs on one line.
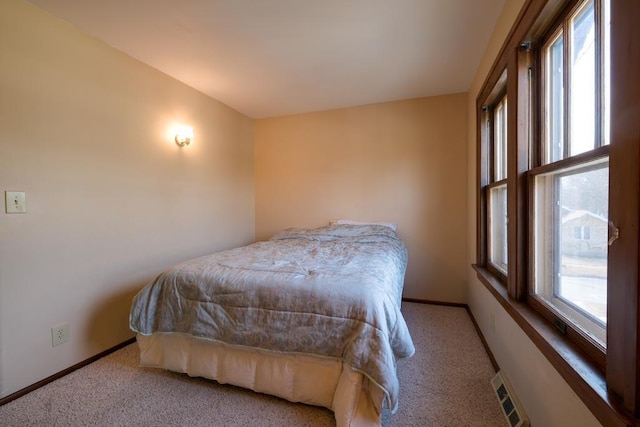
[[333, 291]]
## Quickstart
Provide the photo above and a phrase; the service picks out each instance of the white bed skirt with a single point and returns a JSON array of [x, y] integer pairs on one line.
[[313, 380]]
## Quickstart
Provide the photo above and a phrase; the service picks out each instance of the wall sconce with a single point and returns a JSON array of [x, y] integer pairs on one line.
[[184, 136]]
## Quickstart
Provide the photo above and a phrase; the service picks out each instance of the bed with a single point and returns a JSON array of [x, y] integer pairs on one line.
[[311, 315]]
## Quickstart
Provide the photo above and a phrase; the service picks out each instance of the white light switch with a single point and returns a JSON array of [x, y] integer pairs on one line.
[[15, 202]]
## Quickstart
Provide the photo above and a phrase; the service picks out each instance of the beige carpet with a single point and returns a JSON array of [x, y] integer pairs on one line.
[[446, 383]]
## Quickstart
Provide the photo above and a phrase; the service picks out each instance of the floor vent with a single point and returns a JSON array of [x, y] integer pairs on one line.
[[511, 407]]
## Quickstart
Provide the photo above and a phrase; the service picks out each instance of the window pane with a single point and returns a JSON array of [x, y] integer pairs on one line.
[[554, 124], [571, 228], [583, 81], [500, 141], [498, 227]]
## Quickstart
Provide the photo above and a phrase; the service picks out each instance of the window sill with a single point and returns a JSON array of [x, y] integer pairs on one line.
[[581, 373]]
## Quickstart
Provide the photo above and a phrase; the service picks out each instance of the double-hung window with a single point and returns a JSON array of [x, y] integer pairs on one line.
[[570, 183], [558, 204]]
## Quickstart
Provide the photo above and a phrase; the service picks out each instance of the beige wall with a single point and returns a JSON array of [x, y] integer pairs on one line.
[[86, 132], [403, 162], [546, 397]]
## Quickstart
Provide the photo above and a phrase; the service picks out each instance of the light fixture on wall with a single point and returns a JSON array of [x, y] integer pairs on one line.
[[184, 135]]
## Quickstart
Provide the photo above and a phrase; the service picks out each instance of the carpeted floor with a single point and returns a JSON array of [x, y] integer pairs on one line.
[[446, 383]]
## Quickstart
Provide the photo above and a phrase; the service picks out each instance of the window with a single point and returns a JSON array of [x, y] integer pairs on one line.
[[497, 188], [571, 185], [571, 140], [498, 227], [570, 268], [582, 233]]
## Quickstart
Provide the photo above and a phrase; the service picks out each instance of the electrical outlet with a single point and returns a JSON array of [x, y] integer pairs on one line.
[[59, 334]]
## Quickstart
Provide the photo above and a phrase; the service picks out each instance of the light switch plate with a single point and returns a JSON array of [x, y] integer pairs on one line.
[[15, 202]]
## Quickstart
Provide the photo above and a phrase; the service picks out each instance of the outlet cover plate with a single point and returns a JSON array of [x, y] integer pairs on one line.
[[59, 334]]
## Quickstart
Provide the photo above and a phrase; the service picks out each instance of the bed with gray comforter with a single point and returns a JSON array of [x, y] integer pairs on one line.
[[333, 292]]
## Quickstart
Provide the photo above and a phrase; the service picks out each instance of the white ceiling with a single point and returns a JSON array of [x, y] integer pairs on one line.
[[268, 58]]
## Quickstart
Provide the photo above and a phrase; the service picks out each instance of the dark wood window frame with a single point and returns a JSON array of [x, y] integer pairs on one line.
[[609, 386]]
